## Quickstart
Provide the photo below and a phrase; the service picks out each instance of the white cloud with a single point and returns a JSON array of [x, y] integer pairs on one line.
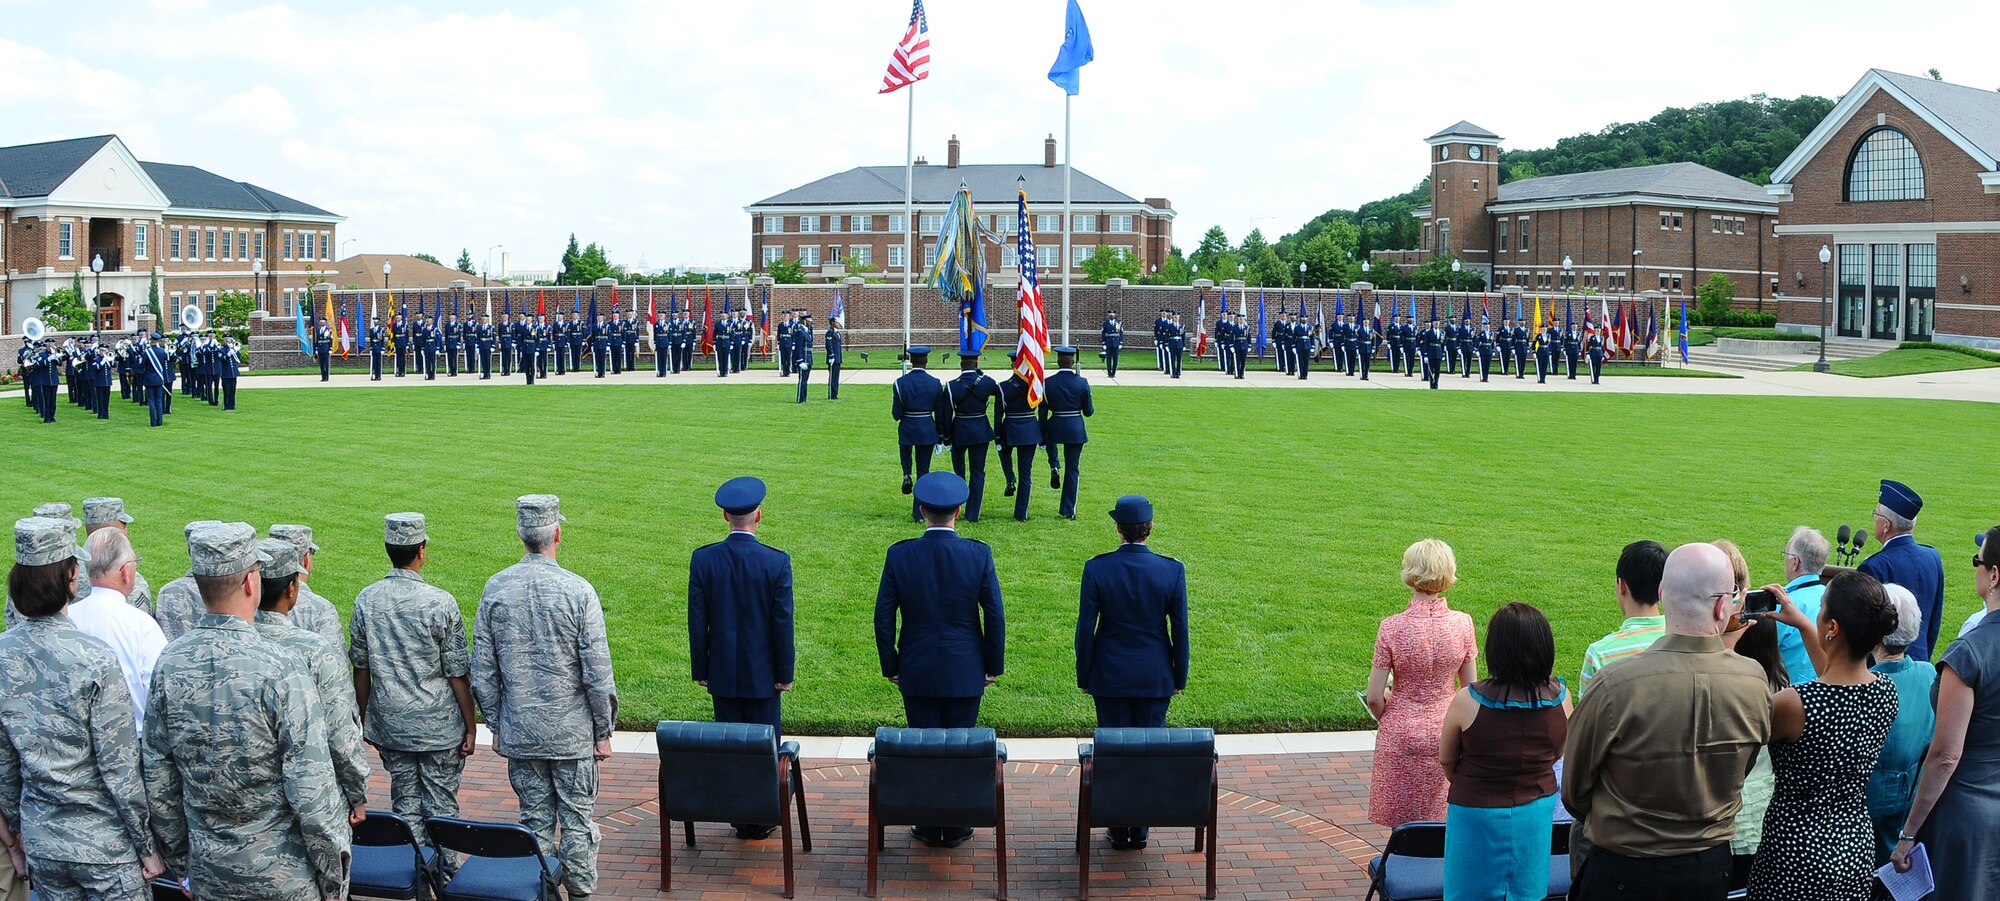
[[647, 126]]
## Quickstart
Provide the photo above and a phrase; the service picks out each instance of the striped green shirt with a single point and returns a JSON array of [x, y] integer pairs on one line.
[[1636, 634]]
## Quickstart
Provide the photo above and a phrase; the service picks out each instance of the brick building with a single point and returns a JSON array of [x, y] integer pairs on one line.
[[858, 214], [65, 203], [1901, 184], [1667, 227]]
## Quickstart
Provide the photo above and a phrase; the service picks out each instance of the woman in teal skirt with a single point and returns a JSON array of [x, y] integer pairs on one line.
[[1501, 739]]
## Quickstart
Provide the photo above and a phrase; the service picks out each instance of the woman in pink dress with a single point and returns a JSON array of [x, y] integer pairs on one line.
[[1430, 651]]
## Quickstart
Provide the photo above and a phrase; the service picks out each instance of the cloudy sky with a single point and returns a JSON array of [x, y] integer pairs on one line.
[[647, 126]]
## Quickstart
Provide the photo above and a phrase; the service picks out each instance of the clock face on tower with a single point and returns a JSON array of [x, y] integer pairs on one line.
[[1475, 151]]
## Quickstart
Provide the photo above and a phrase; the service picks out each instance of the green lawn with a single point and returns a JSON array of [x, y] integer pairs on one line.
[[1291, 509], [1905, 361]]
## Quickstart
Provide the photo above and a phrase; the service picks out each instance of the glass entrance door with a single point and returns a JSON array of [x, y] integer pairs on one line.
[[1919, 307], [1886, 291], [1851, 308]]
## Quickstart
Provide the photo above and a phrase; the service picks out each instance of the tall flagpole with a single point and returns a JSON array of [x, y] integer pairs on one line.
[[909, 219], [1067, 219]]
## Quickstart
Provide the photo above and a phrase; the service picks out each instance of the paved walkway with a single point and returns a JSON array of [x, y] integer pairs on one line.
[[1978, 385], [1293, 824]]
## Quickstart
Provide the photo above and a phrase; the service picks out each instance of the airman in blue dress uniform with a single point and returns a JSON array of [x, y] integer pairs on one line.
[[1431, 344], [1593, 347], [967, 397], [1018, 433], [453, 343], [801, 343], [952, 640], [1065, 404], [1132, 632], [323, 348], [1902, 561], [1112, 334], [917, 403], [834, 340]]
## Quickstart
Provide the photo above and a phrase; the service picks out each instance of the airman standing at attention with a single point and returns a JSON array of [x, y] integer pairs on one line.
[[966, 398], [1113, 335], [325, 665], [1065, 403], [178, 604], [313, 612], [834, 341], [109, 513], [802, 350], [917, 403], [1018, 433], [411, 680]]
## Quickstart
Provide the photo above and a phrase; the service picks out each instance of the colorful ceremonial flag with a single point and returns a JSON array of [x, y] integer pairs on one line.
[[764, 325], [346, 332], [389, 334], [910, 62], [839, 313], [1538, 319], [1260, 323], [541, 302], [1201, 326], [1326, 337], [1074, 53], [959, 272], [707, 319], [1684, 331], [1030, 353], [361, 334], [1485, 312]]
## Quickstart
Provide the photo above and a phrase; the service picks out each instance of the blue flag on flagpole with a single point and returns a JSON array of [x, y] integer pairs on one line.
[[1684, 331], [1074, 53], [1260, 323]]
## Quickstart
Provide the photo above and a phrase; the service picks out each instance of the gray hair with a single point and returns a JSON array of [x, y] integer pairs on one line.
[[1809, 546], [1909, 619], [1898, 523], [537, 538], [109, 549]]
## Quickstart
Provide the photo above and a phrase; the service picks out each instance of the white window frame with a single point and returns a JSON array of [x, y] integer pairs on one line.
[[1080, 252], [896, 222], [208, 243], [174, 243], [863, 254], [809, 254], [65, 240], [142, 241], [1122, 224], [774, 225], [898, 253], [228, 245], [773, 253], [1503, 233], [1005, 223], [1048, 256], [808, 225], [833, 223], [930, 255], [1048, 223], [1083, 222], [1526, 245], [257, 245], [859, 223], [930, 223], [326, 246], [289, 239]]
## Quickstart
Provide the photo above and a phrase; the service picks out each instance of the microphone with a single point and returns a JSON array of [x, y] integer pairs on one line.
[[1860, 540], [1843, 535]]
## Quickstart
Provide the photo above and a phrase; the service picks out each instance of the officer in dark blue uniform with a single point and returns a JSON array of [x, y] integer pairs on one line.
[[1365, 337], [1176, 344], [1901, 560], [323, 348], [375, 348], [1113, 335], [917, 403], [740, 619], [1132, 632], [952, 641], [153, 367], [504, 335], [1018, 433], [1572, 344], [1518, 340], [1487, 346], [782, 334], [400, 327], [1065, 403], [1548, 353], [528, 344], [967, 397], [453, 339], [834, 340], [433, 345], [802, 351], [631, 336], [600, 345], [479, 345], [229, 366], [690, 339], [1160, 341], [1593, 345], [1432, 345]]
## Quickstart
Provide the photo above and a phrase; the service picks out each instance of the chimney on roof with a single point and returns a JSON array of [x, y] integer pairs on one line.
[[951, 153], [1049, 152], [920, 161]]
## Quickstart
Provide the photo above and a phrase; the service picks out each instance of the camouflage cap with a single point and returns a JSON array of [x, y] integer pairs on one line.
[[224, 549], [537, 510], [300, 536], [284, 557], [404, 529], [189, 529], [99, 511], [40, 541], [56, 510]]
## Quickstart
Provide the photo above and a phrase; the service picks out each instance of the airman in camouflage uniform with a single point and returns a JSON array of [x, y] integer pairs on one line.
[[60, 512], [178, 605], [242, 788], [410, 679], [542, 675], [70, 786], [324, 664], [314, 613], [109, 513]]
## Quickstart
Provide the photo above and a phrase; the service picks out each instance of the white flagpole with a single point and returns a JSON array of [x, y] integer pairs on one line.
[[909, 198], [1067, 219]]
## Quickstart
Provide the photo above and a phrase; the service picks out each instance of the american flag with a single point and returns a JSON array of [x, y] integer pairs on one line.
[[1034, 344], [910, 63]]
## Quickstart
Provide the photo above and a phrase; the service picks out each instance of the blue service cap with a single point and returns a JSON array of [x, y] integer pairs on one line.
[[1132, 509], [1900, 499], [1065, 349], [941, 491], [915, 349], [740, 495]]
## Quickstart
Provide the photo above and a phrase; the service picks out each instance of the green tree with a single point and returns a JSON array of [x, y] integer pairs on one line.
[[1214, 244], [465, 261], [1715, 298], [586, 267], [1522, 171], [867, 272], [1436, 275], [63, 310], [1326, 257], [153, 296], [76, 285], [786, 271], [428, 258], [1105, 264], [232, 310], [569, 258], [1170, 271], [1266, 270]]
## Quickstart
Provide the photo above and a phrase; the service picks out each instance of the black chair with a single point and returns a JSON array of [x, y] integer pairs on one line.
[[497, 862], [167, 888], [387, 861], [1411, 865], [1559, 860], [937, 776], [728, 773], [1147, 777]]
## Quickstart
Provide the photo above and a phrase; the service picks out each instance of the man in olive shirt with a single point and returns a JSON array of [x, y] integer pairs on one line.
[[1658, 749]]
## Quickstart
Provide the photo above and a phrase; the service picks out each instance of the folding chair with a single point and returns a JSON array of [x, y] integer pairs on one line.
[[497, 862]]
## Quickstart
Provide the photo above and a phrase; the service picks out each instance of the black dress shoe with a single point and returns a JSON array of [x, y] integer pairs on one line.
[[906, 484], [940, 838], [1055, 479], [1010, 490], [753, 833]]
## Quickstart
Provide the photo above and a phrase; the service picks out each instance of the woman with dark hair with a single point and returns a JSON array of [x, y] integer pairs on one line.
[[1818, 842], [1499, 746], [1757, 639]]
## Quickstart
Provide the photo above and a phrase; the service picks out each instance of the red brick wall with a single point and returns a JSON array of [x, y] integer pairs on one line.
[[1150, 239]]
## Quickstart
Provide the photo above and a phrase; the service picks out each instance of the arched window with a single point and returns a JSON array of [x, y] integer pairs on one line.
[[1885, 167]]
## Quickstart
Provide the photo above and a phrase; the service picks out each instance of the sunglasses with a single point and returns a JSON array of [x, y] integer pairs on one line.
[[1978, 563]]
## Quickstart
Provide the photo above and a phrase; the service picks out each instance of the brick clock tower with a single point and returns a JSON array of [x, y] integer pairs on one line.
[[1465, 177]]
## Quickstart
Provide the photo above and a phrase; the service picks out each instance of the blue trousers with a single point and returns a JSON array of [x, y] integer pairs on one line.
[[1141, 712]]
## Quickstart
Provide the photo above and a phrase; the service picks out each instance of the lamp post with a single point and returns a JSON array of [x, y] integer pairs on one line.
[[1825, 306], [97, 302], [1569, 278], [1302, 275], [257, 282], [343, 246], [488, 265], [385, 275]]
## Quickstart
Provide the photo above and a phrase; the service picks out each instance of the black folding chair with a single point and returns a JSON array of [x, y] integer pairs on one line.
[[1411, 865], [728, 773], [497, 862], [387, 861]]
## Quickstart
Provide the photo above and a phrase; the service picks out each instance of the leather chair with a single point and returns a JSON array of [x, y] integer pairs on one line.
[[728, 773], [937, 776], [1135, 777]]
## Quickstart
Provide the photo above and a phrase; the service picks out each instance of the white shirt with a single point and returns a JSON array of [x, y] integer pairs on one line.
[[1972, 622], [133, 636]]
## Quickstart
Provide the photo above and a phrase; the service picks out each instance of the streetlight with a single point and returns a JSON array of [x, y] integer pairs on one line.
[[343, 246], [385, 275], [1569, 278], [96, 303], [1825, 307], [488, 266], [1302, 275], [257, 281]]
